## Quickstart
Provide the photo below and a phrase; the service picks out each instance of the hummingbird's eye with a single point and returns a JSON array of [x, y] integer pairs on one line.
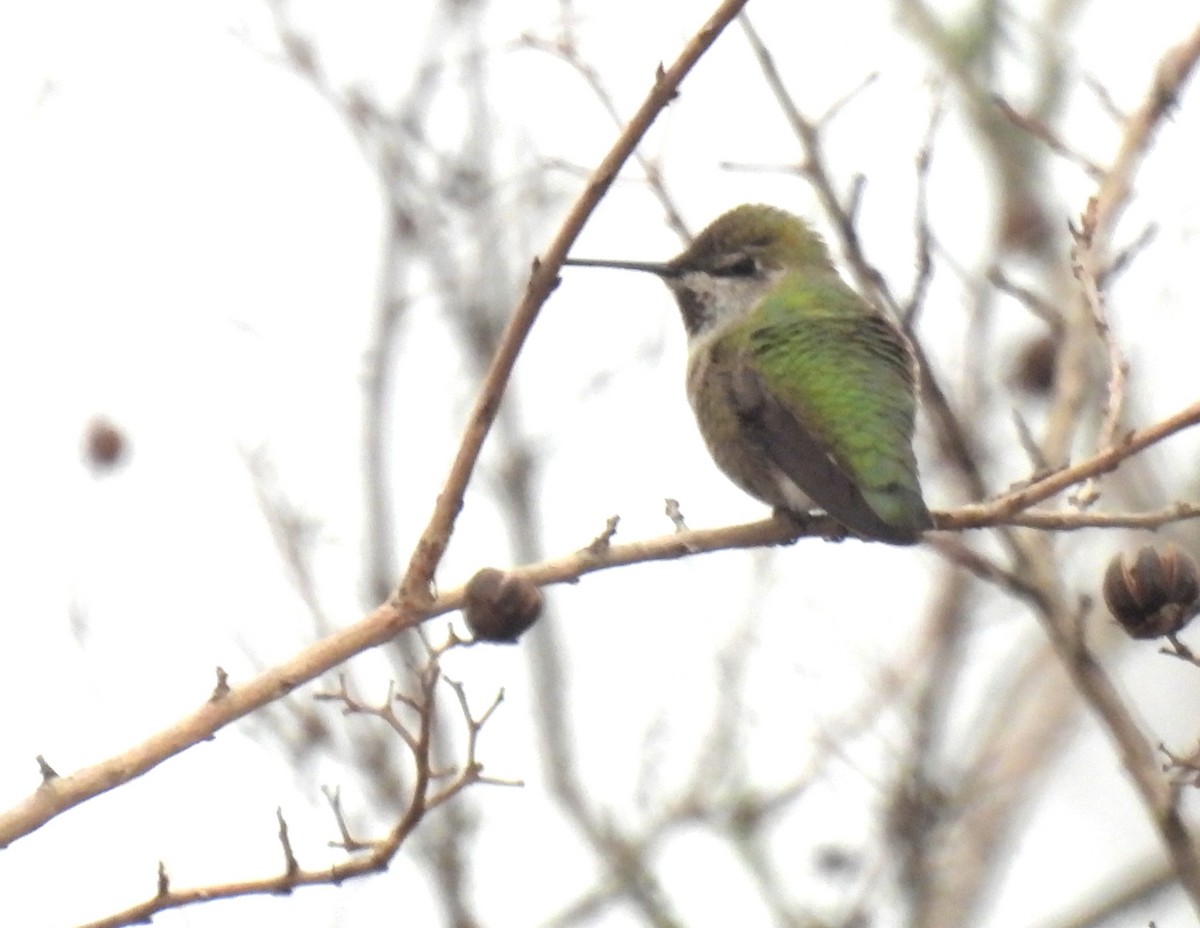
[[742, 267]]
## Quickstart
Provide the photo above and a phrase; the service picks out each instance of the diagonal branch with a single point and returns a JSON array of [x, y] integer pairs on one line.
[[411, 602], [415, 587]]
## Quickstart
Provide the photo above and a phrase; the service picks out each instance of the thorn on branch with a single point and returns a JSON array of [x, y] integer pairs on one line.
[[660, 75], [221, 690], [675, 514], [291, 865], [602, 542], [48, 773]]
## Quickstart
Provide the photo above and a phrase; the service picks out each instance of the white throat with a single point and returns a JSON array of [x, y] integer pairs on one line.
[[712, 302]]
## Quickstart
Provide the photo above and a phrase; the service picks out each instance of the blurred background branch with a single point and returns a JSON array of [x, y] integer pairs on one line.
[[812, 735]]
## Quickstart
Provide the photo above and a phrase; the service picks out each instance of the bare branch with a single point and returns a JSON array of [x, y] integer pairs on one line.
[[1085, 264], [1001, 509], [408, 605], [1040, 307], [1040, 130], [373, 855], [566, 49], [414, 589]]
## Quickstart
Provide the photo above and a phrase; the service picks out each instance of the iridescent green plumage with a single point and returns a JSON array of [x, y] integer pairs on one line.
[[803, 392], [843, 376]]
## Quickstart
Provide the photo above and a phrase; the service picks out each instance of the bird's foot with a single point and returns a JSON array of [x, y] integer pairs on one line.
[[795, 523], [810, 523]]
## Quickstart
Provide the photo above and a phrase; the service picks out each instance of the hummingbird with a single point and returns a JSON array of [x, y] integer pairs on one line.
[[803, 391]]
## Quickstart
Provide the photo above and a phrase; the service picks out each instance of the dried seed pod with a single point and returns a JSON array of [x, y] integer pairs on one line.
[[105, 445], [1153, 594], [1033, 367], [500, 607]]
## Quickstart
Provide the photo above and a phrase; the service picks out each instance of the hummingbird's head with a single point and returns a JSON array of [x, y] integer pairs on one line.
[[737, 260], [733, 264]]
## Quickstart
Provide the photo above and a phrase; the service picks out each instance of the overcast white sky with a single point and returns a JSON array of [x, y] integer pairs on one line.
[[188, 239]]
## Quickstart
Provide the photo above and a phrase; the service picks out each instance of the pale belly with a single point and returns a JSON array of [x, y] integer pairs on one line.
[[736, 452]]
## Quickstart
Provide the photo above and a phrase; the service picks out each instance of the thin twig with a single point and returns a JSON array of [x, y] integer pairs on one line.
[[373, 855], [999, 510], [868, 277], [566, 49], [414, 589], [407, 607], [1040, 130], [923, 233], [63, 793], [1040, 307], [1086, 266]]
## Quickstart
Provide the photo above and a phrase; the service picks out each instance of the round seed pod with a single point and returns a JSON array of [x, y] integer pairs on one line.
[[1153, 593], [499, 606], [1033, 367], [105, 445]]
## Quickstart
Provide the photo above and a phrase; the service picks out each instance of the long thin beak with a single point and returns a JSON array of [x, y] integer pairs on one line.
[[649, 267]]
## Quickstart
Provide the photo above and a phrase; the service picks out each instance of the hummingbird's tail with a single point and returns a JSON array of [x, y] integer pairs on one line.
[[903, 516]]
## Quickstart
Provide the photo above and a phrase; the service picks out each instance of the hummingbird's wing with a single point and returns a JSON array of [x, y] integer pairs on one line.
[[824, 385]]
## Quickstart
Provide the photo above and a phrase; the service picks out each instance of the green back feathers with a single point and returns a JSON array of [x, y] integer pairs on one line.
[[846, 372]]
